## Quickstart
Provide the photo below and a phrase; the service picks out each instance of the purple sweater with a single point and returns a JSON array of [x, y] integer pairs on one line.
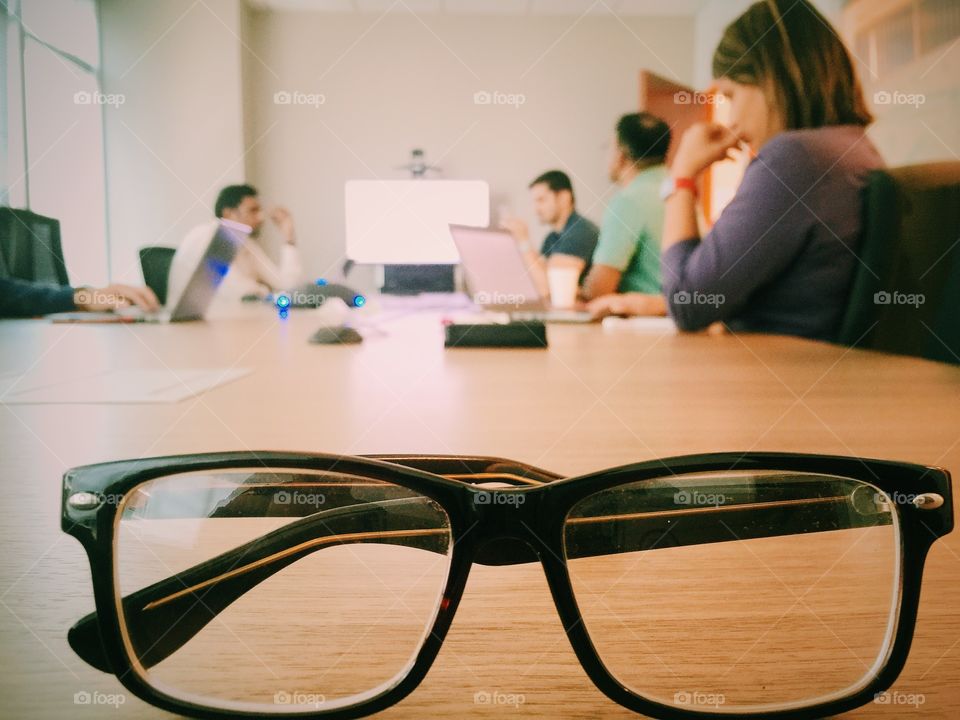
[[782, 254]]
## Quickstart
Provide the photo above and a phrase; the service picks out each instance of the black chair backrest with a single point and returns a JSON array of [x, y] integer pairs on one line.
[[155, 263], [30, 247], [905, 294]]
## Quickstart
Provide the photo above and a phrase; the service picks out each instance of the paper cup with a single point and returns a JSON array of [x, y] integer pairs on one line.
[[563, 283]]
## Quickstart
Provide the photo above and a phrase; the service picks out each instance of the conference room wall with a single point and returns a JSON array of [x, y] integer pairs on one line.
[[178, 135], [395, 83]]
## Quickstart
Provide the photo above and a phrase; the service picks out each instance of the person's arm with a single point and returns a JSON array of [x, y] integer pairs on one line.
[[756, 237], [21, 298], [632, 303], [535, 262], [283, 276], [291, 267], [615, 248], [701, 145], [601, 280], [289, 272]]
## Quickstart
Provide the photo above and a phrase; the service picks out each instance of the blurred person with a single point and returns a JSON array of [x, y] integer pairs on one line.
[[782, 254], [627, 257], [572, 238], [252, 271]]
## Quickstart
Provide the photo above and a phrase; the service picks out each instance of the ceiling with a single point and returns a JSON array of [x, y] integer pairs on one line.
[[600, 8]]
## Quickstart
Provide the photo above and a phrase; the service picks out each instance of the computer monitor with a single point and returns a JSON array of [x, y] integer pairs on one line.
[[406, 222]]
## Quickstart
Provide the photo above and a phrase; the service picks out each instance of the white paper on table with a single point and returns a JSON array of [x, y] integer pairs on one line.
[[640, 324], [164, 385]]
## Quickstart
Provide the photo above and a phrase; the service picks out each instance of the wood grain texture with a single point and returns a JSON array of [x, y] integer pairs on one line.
[[595, 399]]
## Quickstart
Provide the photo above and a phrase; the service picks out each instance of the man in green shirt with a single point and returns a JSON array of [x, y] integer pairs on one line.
[[627, 257]]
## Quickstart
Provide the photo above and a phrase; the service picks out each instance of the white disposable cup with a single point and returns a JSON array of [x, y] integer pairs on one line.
[[563, 282]]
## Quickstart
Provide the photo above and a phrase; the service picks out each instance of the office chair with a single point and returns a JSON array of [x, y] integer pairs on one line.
[[30, 247], [906, 289], [155, 263]]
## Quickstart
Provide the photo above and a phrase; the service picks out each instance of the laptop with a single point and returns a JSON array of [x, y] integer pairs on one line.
[[498, 280], [198, 293]]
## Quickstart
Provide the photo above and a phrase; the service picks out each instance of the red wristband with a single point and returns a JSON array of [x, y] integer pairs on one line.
[[685, 183]]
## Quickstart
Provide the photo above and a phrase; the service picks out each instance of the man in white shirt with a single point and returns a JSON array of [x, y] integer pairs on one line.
[[252, 271]]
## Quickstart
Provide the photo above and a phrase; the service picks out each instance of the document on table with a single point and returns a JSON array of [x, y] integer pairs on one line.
[[640, 324], [164, 385]]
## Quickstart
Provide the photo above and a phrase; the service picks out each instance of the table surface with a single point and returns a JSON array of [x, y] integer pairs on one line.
[[596, 398]]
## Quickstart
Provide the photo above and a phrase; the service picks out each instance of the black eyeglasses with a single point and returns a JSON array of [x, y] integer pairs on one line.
[[321, 586]]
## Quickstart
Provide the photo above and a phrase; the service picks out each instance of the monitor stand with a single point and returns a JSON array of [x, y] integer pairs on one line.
[[416, 279]]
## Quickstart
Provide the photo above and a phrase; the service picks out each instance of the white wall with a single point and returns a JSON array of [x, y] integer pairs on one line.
[[400, 82], [178, 136]]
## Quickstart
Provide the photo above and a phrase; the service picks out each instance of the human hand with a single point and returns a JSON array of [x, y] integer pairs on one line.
[[627, 304], [703, 144], [518, 228], [113, 297], [283, 219]]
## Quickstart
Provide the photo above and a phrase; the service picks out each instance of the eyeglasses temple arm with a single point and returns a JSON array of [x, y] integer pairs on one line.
[[162, 617]]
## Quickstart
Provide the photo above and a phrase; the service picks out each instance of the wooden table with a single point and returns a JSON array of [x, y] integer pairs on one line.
[[595, 399]]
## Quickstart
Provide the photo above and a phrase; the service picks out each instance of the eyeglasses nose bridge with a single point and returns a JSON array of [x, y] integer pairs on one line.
[[505, 513]]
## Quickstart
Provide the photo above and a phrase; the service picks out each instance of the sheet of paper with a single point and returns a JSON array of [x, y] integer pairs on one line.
[[165, 385], [640, 324]]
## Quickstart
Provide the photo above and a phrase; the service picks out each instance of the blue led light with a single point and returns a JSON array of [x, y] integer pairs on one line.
[[321, 281], [217, 267], [359, 301], [283, 301], [283, 314]]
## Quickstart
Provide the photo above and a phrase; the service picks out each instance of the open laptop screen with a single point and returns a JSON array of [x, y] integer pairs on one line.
[[495, 271], [209, 272]]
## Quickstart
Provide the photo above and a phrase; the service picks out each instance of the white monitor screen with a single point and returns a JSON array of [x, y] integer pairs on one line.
[[406, 222]]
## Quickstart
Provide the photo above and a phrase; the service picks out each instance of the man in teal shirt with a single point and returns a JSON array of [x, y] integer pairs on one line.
[[627, 257]]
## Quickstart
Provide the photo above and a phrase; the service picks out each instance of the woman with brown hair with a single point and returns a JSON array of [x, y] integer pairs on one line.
[[781, 256]]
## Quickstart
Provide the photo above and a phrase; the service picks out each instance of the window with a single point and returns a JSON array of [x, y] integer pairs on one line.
[[51, 125], [892, 35]]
